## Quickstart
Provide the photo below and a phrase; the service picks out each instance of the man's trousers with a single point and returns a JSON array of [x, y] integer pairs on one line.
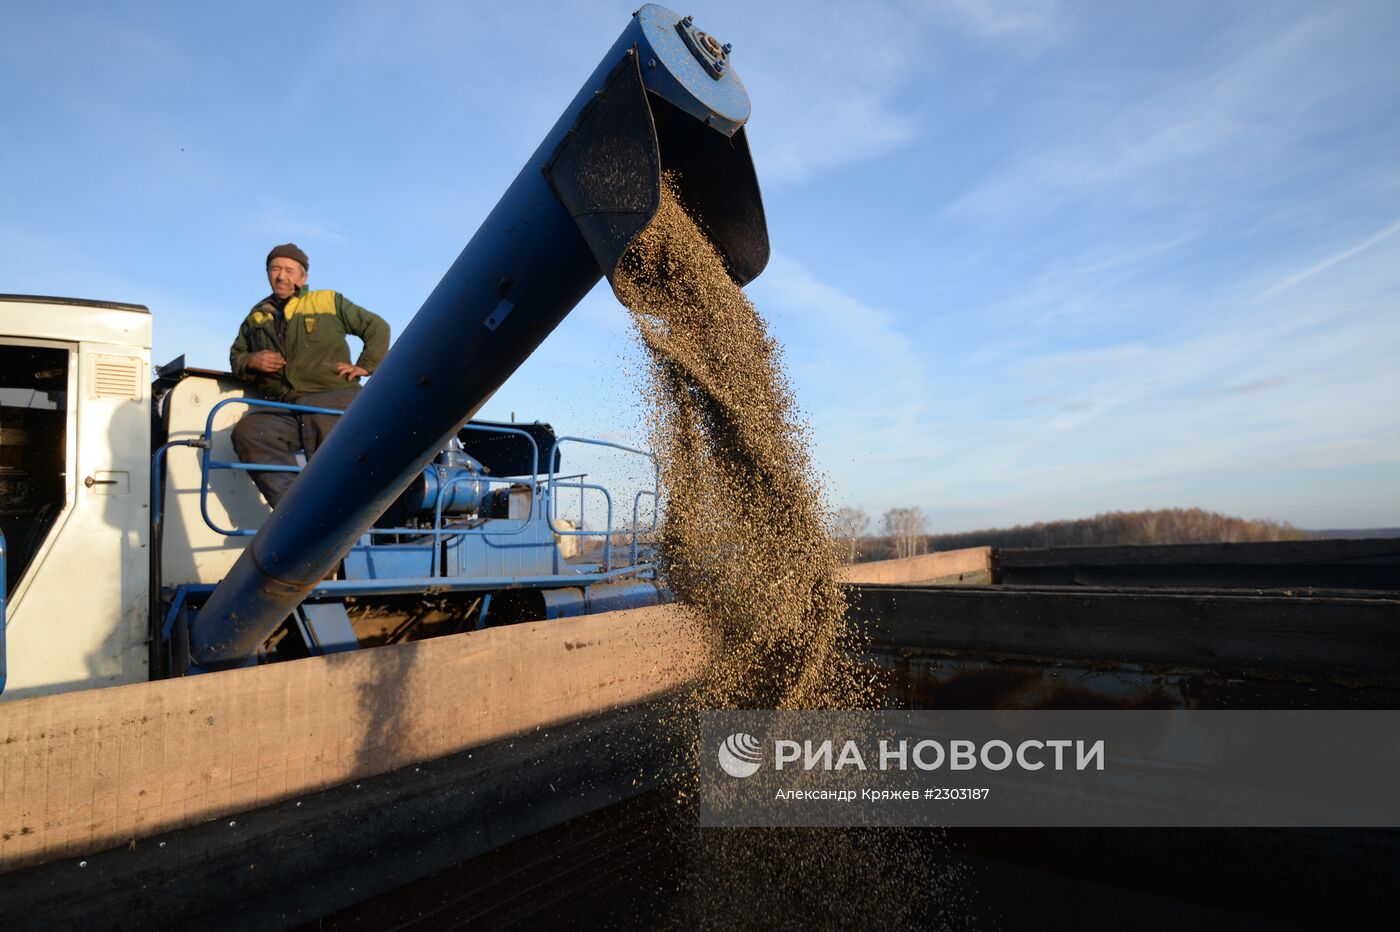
[[273, 436]]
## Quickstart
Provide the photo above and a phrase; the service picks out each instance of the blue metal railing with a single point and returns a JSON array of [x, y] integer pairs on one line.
[[442, 535], [581, 532], [207, 462], [636, 504], [158, 657]]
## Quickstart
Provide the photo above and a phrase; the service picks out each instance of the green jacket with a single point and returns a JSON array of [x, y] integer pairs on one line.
[[312, 341]]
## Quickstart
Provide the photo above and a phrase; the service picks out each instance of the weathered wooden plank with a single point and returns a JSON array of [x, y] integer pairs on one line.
[[86, 771], [943, 566], [272, 867]]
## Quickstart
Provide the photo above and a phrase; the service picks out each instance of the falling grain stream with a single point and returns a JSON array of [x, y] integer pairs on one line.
[[746, 547]]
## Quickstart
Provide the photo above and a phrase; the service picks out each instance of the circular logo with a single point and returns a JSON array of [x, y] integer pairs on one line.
[[740, 755]]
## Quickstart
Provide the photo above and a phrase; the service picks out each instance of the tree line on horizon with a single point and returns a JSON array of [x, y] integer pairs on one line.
[[904, 532]]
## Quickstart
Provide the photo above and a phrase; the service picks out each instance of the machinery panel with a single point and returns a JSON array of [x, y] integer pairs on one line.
[[191, 551]]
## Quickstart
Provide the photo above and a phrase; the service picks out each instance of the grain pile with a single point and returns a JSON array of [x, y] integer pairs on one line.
[[745, 544]]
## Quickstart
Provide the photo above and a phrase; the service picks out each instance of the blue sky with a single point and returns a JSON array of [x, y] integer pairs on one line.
[[1032, 259]]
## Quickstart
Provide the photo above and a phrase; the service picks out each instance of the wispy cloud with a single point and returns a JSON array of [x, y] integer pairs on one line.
[[1335, 259], [1235, 117], [836, 84]]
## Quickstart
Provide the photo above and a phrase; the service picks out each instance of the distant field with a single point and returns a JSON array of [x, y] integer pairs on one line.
[[1359, 534]]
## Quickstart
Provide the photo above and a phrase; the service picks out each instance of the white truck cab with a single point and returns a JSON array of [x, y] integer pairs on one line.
[[75, 448]]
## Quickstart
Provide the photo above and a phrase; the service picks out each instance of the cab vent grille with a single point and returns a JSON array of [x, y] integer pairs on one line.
[[116, 377]]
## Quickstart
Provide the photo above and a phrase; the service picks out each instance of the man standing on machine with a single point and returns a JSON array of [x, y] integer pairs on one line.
[[292, 347]]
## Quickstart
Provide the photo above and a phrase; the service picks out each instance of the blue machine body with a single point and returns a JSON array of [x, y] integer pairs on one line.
[[452, 486], [655, 102], [443, 554]]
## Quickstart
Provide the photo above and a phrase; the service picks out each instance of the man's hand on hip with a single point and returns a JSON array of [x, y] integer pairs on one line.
[[266, 361], [348, 372]]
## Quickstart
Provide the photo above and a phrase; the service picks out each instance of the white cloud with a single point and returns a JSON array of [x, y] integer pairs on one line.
[[1235, 115]]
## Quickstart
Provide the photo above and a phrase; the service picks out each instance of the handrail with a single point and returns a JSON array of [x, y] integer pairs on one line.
[[607, 540], [205, 444], [572, 482], [636, 503], [207, 463], [155, 543]]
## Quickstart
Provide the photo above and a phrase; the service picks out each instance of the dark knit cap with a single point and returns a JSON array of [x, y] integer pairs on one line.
[[289, 251]]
